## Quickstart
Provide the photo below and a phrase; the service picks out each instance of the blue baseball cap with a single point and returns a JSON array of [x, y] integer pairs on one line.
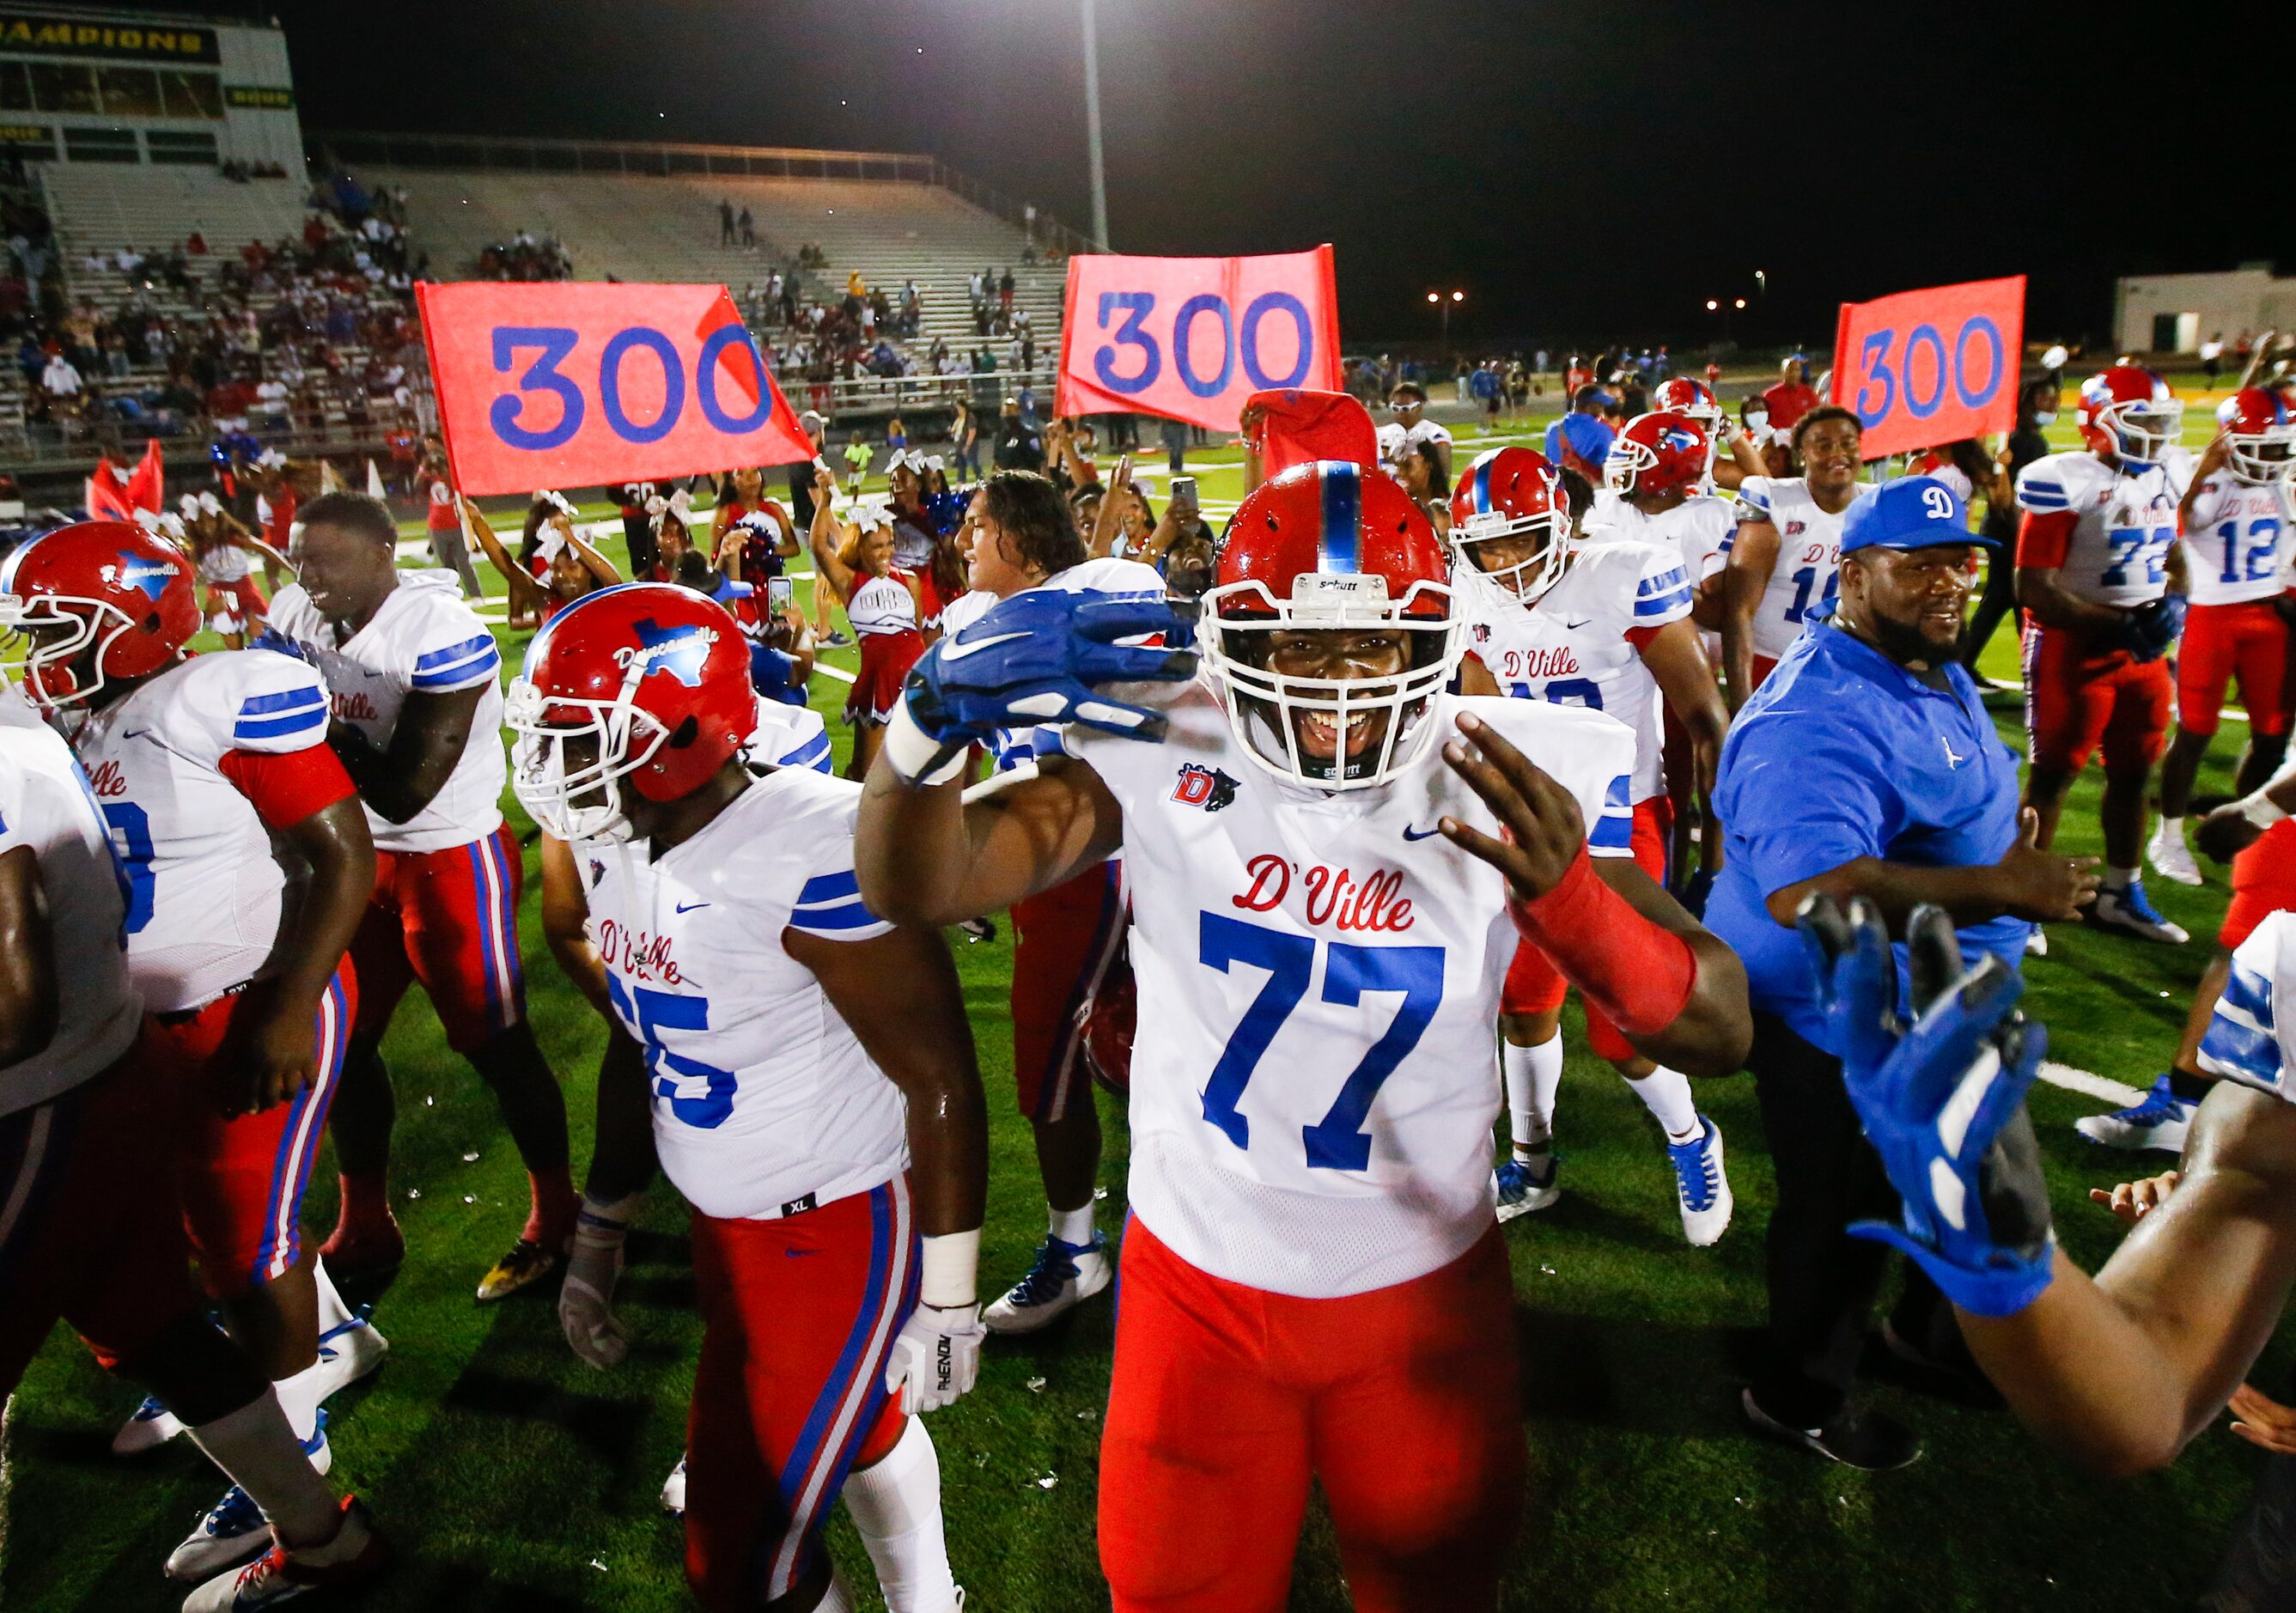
[[1911, 512]]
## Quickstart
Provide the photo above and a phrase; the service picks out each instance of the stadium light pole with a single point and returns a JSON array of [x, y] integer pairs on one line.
[[1092, 126]]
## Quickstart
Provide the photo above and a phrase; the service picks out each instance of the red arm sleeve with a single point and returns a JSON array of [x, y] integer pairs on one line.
[[2044, 537], [285, 789]]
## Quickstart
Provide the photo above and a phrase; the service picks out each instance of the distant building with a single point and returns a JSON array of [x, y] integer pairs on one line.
[[2176, 312], [79, 84]]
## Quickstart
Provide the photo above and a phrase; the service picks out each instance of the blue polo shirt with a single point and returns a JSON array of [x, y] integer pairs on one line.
[[1844, 754]]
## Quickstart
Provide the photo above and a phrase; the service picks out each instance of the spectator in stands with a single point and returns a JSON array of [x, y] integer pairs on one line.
[[59, 380], [1005, 288], [1019, 445], [749, 228], [725, 222]]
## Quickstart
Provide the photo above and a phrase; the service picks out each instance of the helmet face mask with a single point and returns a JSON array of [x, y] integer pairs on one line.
[[2259, 436], [2129, 413], [89, 604], [569, 757], [1527, 579], [49, 644]]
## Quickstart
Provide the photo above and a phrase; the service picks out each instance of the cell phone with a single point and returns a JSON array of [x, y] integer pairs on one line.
[[1184, 487], [779, 591]]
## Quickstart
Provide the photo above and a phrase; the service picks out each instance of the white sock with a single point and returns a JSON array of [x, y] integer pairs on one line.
[[260, 1453], [1665, 1094], [1534, 1075], [332, 1312], [2170, 829], [837, 1599], [2119, 879], [895, 1506], [1073, 1226]]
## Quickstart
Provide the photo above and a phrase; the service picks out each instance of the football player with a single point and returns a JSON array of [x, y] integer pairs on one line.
[[809, 1076], [1651, 494], [1604, 626], [413, 676], [93, 1231], [2102, 582], [199, 766], [1064, 939], [1330, 861], [1682, 395], [2234, 518], [1786, 559]]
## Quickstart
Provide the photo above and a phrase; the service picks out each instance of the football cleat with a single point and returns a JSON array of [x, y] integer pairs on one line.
[[357, 1552], [1701, 1185], [2037, 942], [977, 929], [527, 1263], [1856, 1437], [369, 1248], [1063, 1277], [148, 1427], [2170, 857], [673, 1490], [2158, 1121], [346, 1353], [2129, 911], [235, 1528], [1521, 1190]]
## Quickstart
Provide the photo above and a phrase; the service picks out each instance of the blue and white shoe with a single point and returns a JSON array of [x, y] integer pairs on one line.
[[348, 1352], [234, 1531], [357, 1554], [2158, 1121], [2131, 912], [1063, 1277], [1521, 1190], [673, 1490], [148, 1427], [1702, 1185]]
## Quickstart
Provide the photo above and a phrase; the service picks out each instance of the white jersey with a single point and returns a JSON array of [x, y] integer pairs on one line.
[[44, 803], [1397, 439], [15, 710], [1808, 571], [423, 640], [1118, 579], [1312, 1098], [2236, 544], [1700, 529], [2251, 1035], [789, 736], [2118, 550], [882, 605], [1581, 643], [206, 892], [764, 1101]]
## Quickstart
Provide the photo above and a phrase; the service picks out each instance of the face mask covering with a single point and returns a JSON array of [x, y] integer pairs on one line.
[[2042, 417]]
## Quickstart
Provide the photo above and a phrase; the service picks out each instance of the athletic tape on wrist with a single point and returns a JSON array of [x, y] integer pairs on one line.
[[2258, 809], [1638, 973], [949, 1272], [604, 1225], [917, 756]]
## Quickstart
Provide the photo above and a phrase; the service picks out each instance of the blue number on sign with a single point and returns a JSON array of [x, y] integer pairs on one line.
[[1974, 397], [1575, 692], [674, 1074], [1248, 340], [1873, 362], [1135, 306], [1183, 324], [1804, 581], [1337, 1142], [555, 343], [705, 388], [1926, 336], [609, 384], [131, 833]]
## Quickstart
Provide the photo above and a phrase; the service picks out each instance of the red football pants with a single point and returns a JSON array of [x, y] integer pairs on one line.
[[2079, 698], [449, 919], [798, 1316], [2249, 641], [2263, 883], [1404, 1403], [1063, 942]]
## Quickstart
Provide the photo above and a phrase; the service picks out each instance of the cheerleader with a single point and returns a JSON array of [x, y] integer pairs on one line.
[[219, 547], [565, 568], [885, 604]]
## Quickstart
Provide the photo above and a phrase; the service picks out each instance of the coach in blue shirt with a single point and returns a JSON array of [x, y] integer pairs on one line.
[[1865, 766]]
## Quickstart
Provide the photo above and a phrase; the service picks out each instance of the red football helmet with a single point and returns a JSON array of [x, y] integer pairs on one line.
[[1511, 493], [93, 601], [1329, 547], [1656, 453], [646, 679], [2259, 430], [2129, 413], [1681, 395]]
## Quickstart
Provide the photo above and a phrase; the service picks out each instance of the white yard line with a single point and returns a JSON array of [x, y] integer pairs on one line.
[[2090, 1085]]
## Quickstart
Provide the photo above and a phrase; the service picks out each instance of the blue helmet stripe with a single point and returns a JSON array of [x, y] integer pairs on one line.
[[1336, 546], [1482, 487]]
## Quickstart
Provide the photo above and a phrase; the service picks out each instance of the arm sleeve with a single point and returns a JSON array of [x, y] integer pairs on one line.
[[830, 905], [286, 788], [454, 651], [1610, 833], [1664, 591], [272, 706], [2041, 489], [1753, 502], [2042, 539], [2242, 1041]]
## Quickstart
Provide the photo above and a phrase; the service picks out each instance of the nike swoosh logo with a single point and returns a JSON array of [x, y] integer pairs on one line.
[[1574, 627], [133, 733], [1409, 833], [957, 652], [689, 907]]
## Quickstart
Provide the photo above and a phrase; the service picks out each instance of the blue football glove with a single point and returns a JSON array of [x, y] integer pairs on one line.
[[1942, 1101], [2153, 627], [1034, 658]]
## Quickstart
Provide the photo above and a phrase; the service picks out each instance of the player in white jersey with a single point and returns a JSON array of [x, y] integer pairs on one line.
[[2102, 582], [1064, 939], [1785, 563], [2234, 518], [809, 1076], [198, 765], [414, 678], [1603, 626], [1324, 910], [91, 1227]]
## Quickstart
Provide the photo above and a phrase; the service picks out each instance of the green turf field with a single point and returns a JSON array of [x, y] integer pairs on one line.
[[514, 1477]]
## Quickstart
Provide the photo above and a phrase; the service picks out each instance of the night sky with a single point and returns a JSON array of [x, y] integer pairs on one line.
[[1583, 171]]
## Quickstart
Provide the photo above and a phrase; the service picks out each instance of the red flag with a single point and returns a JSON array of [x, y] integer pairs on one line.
[[146, 489], [107, 494], [1931, 366], [1296, 426]]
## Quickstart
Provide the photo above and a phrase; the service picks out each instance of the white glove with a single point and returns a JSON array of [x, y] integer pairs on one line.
[[937, 1357], [586, 1298]]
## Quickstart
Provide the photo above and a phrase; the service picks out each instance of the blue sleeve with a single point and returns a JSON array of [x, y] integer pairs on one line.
[[1794, 810], [830, 906]]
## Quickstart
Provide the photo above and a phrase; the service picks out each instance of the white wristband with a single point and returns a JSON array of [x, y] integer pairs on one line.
[[2258, 810], [910, 750], [951, 1270]]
